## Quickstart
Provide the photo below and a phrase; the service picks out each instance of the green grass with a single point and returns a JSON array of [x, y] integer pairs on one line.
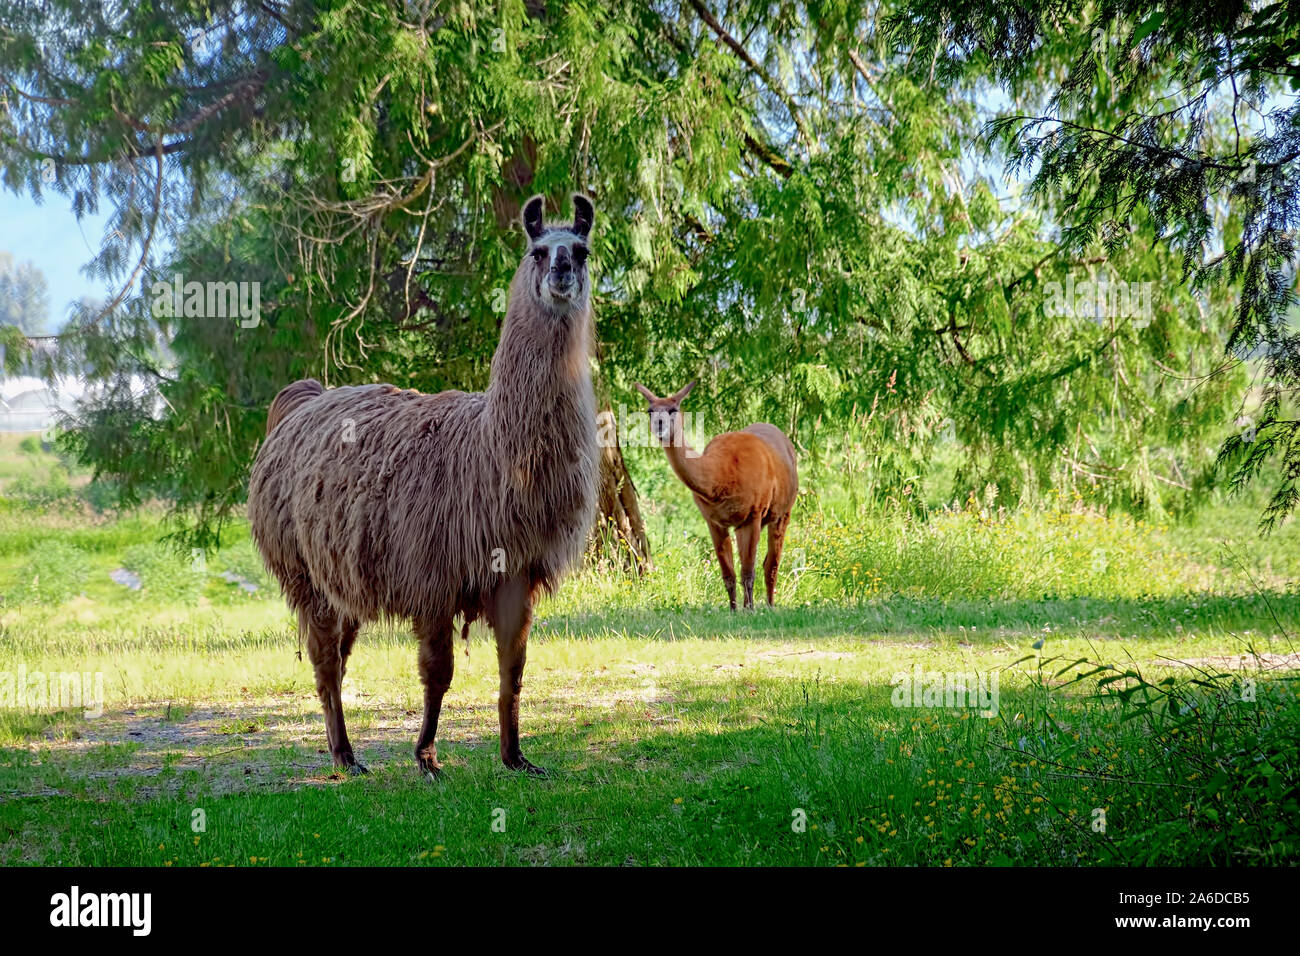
[[678, 732]]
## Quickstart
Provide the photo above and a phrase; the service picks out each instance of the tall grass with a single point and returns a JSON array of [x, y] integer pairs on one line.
[[972, 554]]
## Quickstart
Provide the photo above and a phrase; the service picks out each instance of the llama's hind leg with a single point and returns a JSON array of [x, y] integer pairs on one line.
[[722, 548], [747, 542], [775, 543], [437, 663], [510, 612], [327, 636]]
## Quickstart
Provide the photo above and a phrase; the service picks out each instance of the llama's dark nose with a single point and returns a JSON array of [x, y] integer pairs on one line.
[[563, 263]]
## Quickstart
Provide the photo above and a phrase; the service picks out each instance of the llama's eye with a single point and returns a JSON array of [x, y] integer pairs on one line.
[[539, 255], [579, 253]]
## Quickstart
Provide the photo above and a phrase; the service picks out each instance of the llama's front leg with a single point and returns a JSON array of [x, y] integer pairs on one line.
[[747, 542], [722, 548], [511, 615], [327, 635], [437, 663]]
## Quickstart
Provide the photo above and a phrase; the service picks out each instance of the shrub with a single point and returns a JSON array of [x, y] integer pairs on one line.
[[53, 573], [244, 560], [52, 488], [101, 494], [164, 573]]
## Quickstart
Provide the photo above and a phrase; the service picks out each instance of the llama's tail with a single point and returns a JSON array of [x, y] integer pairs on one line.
[[290, 397]]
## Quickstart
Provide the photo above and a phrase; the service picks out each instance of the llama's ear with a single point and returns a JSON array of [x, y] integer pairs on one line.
[[533, 217], [684, 392], [649, 395], [583, 214]]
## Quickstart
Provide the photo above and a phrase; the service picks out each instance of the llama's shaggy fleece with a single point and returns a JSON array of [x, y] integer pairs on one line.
[[374, 501]]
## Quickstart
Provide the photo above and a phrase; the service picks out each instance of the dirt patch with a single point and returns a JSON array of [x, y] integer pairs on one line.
[[800, 653], [1239, 662], [278, 742], [784, 652]]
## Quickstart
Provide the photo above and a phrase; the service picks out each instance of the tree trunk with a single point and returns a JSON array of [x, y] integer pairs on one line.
[[619, 532]]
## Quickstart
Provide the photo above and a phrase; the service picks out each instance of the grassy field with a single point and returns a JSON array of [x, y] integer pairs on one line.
[[1146, 707]]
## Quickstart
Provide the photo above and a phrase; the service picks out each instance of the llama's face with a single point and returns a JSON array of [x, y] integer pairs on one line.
[[665, 414], [557, 257], [663, 421], [559, 263]]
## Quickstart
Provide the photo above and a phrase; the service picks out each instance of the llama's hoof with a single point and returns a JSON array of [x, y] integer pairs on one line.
[[345, 762], [529, 768], [430, 769]]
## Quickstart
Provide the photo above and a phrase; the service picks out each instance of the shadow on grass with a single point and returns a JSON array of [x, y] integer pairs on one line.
[[1272, 613], [714, 775], [789, 771]]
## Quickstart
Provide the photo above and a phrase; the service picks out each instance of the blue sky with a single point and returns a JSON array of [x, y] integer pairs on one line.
[[50, 236]]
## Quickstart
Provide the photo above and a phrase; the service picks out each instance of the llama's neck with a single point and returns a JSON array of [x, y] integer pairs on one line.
[[688, 464], [541, 382], [537, 432]]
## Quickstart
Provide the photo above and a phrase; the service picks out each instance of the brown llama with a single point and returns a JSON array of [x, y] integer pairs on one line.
[[745, 480], [373, 501]]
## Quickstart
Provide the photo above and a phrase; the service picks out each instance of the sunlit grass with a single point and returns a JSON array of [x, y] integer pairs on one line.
[[678, 731]]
